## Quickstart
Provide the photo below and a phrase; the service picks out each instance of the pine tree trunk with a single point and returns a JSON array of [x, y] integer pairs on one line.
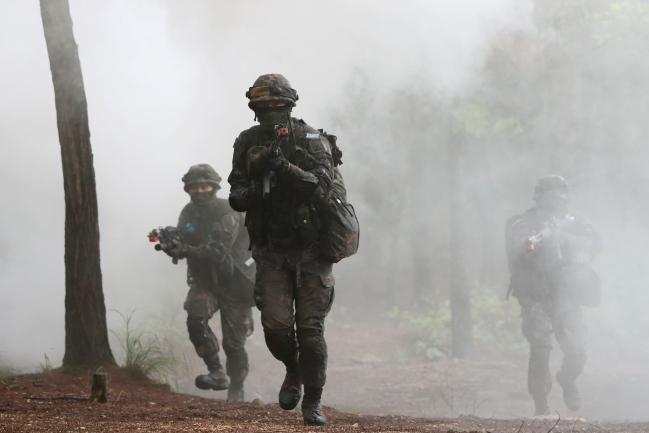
[[86, 335]]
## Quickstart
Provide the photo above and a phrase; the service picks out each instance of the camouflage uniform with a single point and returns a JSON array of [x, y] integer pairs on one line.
[[549, 303], [215, 245], [294, 285]]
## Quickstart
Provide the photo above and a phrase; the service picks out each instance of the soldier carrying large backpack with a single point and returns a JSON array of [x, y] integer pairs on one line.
[[285, 176]]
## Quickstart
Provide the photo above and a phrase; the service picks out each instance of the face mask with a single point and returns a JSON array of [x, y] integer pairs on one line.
[[272, 118], [553, 204], [202, 197]]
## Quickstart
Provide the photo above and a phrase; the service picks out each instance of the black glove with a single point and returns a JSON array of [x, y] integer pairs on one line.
[[257, 158], [279, 164], [180, 251], [171, 252]]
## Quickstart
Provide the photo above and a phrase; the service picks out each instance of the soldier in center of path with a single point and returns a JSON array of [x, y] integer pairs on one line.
[[282, 189], [549, 252]]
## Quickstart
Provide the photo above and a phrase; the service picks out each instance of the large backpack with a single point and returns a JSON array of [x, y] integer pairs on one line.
[[341, 232]]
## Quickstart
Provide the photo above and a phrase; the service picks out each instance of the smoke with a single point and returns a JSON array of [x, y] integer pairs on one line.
[[400, 83]]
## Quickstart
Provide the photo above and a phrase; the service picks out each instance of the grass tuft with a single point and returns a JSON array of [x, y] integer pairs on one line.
[[46, 364], [144, 354]]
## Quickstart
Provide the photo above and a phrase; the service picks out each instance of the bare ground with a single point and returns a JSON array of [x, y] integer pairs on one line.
[[57, 402], [374, 383], [372, 371]]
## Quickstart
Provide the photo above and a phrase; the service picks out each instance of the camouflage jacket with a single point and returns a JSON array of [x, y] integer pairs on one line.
[[211, 232], [536, 269], [289, 219]]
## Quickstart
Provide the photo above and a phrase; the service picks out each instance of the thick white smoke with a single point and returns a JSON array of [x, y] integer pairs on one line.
[[165, 82]]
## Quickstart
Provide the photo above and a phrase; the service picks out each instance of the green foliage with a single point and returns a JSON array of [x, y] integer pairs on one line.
[[496, 326], [496, 322], [144, 353], [481, 121], [619, 19]]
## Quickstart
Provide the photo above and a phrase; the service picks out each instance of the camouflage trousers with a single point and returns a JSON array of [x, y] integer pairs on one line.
[[540, 322], [294, 300], [201, 304]]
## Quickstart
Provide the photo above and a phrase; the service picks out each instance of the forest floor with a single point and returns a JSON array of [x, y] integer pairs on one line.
[[373, 370], [57, 401], [375, 384]]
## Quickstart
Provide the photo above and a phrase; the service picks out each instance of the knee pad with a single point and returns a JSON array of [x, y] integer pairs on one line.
[[201, 336], [282, 344], [283, 337], [233, 344], [196, 326], [312, 344]]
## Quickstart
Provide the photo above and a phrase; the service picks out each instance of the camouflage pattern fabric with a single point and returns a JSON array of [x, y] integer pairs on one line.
[[294, 286], [548, 306], [212, 232]]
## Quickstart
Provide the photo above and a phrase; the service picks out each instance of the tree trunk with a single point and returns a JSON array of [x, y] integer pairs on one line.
[[461, 320], [86, 336]]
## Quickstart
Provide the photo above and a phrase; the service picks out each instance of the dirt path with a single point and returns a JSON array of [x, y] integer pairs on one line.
[[56, 402], [371, 371]]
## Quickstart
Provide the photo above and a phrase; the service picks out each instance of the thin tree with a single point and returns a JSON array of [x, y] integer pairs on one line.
[[461, 318], [86, 335]]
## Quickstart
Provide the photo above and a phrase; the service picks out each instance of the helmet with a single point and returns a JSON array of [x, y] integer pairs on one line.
[[551, 186], [271, 87], [202, 173]]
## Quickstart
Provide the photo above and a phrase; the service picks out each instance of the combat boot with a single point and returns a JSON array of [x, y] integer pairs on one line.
[[311, 409], [571, 396], [216, 379], [235, 392], [291, 390]]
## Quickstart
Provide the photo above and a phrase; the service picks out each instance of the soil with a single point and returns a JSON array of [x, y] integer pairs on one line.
[[375, 384], [373, 371], [57, 401]]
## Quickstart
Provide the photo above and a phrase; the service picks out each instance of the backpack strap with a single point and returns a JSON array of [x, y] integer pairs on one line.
[[336, 153]]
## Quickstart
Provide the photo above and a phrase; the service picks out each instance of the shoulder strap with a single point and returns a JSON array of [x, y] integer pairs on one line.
[[336, 153]]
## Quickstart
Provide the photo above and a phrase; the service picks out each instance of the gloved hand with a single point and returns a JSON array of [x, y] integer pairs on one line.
[[257, 158], [279, 164], [171, 252], [179, 251]]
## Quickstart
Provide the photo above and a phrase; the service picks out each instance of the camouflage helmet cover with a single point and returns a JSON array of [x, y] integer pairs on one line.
[[271, 87], [201, 173], [551, 186]]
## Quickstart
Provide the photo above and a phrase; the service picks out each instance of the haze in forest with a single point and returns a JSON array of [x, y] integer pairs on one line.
[[514, 89]]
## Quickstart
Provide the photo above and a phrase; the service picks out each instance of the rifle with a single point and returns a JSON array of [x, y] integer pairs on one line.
[[281, 133], [167, 238], [549, 229]]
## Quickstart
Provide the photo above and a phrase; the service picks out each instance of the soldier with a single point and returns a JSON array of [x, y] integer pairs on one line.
[[220, 277], [282, 175], [549, 250]]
